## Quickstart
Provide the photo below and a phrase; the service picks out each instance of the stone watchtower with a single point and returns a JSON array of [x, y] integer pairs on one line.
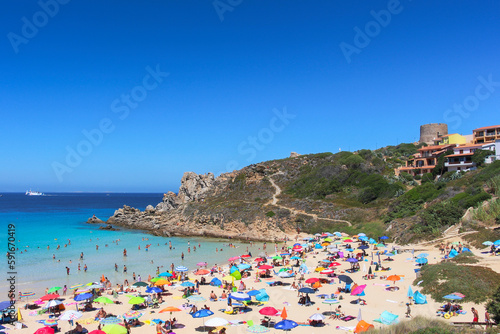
[[429, 132]]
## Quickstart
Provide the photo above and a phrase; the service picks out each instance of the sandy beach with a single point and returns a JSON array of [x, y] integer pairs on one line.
[[377, 298]]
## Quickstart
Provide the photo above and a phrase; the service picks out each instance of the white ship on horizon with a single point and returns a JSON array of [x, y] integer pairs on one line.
[[33, 193]]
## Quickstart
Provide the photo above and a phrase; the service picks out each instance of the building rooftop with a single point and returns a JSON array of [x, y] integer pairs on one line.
[[487, 127]]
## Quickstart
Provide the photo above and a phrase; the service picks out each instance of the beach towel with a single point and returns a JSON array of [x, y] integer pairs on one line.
[[387, 318], [345, 328], [347, 318]]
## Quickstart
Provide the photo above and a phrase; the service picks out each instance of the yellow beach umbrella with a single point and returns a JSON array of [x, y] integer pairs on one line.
[[161, 281], [319, 269]]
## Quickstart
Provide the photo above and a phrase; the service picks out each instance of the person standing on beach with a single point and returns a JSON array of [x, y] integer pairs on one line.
[[124, 252], [65, 288], [475, 314], [116, 267], [124, 269], [67, 270], [487, 319], [182, 256]]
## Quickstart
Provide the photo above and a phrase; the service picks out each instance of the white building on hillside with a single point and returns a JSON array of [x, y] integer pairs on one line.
[[461, 159]]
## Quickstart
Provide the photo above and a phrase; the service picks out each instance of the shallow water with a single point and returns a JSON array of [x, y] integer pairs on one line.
[[44, 223]]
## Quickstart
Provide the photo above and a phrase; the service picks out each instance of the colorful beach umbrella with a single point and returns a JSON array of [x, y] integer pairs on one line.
[[76, 286], [153, 289], [132, 315], [181, 269], [202, 272], [26, 294], [357, 290], [50, 322], [54, 289]]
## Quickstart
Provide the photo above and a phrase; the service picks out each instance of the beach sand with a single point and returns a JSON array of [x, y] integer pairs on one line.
[[377, 299]]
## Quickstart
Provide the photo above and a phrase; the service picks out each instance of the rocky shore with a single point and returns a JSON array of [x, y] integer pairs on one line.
[[202, 208]]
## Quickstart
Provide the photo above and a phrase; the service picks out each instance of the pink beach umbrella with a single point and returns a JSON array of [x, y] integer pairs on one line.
[[357, 290]]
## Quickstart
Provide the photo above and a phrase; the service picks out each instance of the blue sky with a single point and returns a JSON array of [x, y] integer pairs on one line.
[[169, 86]]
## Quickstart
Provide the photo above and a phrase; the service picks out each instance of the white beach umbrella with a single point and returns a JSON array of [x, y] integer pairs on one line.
[[216, 322], [71, 315], [317, 317], [52, 303], [181, 268]]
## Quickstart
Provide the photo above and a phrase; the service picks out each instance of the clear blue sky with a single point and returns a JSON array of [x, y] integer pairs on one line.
[[231, 70]]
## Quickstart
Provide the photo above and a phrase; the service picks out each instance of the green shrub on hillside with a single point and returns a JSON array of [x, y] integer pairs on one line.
[[438, 216], [493, 306], [410, 202]]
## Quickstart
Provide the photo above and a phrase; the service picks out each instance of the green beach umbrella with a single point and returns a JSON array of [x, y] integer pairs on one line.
[[136, 300], [139, 284], [277, 257], [154, 279], [104, 300], [54, 289], [114, 329], [327, 239]]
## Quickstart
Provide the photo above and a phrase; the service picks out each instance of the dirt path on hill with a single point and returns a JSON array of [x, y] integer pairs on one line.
[[274, 201]]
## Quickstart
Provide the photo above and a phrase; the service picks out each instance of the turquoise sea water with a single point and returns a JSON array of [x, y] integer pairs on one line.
[[42, 223]]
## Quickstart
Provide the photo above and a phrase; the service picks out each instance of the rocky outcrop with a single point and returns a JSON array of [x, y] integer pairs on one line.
[[194, 186], [95, 220]]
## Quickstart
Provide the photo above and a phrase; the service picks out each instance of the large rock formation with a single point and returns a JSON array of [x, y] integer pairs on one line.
[[201, 208]]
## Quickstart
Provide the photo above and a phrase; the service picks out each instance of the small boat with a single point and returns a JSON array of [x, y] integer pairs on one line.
[[33, 193]]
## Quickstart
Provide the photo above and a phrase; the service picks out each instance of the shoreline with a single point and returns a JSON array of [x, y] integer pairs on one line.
[[377, 298]]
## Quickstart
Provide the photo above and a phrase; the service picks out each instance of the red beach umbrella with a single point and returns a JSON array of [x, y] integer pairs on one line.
[[45, 330], [259, 259], [245, 255], [334, 264], [50, 296], [266, 266], [268, 310], [327, 272], [312, 280], [202, 272]]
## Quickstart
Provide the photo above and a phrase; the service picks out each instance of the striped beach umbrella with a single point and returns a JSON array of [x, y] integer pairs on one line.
[[26, 294], [76, 286], [132, 315], [181, 269]]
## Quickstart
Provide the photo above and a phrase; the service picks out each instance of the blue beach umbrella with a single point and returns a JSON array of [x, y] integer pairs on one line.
[[422, 255], [361, 235], [244, 266], [165, 274], [363, 247], [384, 237], [410, 292], [372, 241], [421, 260], [153, 289], [83, 296], [352, 260], [253, 293], [286, 325], [487, 243], [295, 258], [4, 305], [203, 313], [187, 284], [497, 243], [307, 290]]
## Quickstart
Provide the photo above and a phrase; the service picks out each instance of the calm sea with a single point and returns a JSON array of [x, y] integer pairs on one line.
[[45, 223]]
